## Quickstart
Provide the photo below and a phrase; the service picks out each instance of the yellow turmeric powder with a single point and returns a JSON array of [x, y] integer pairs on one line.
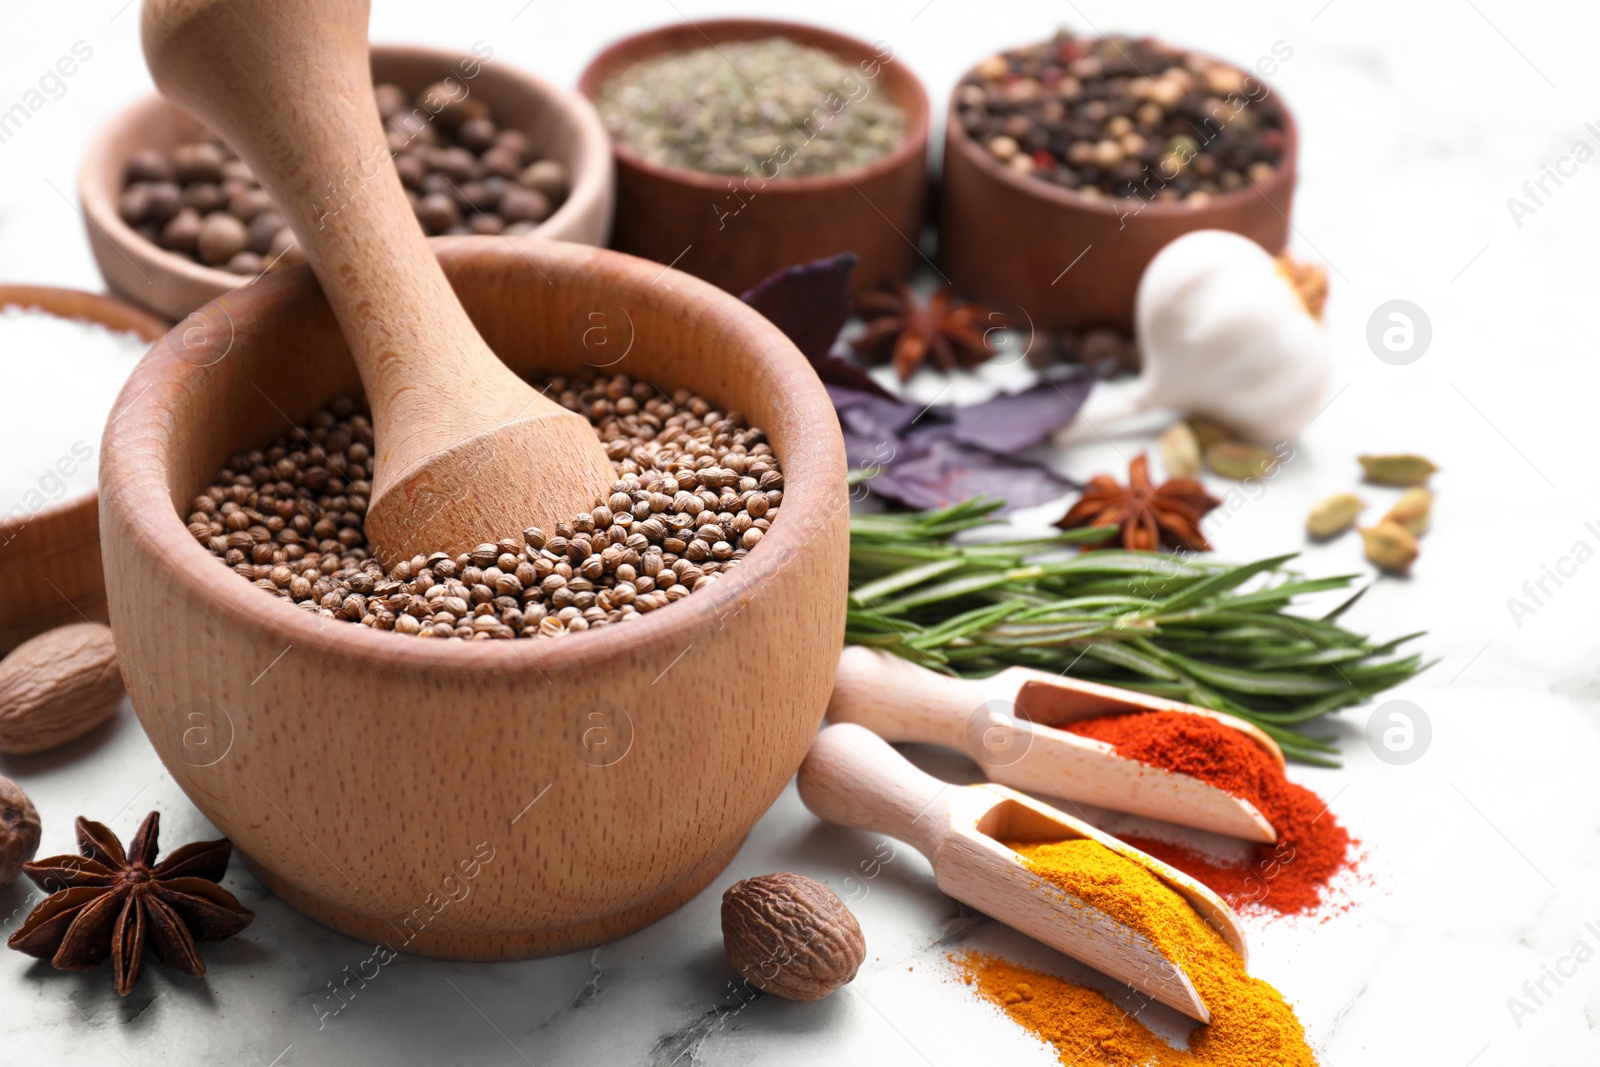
[[1251, 1025]]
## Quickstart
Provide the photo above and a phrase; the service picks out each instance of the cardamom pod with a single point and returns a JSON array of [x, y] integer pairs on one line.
[[1239, 461], [1209, 431], [1333, 516], [1413, 510], [1180, 451], [1390, 546], [1402, 470]]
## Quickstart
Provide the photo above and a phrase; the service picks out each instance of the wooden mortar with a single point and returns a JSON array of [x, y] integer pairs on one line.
[[362, 774]]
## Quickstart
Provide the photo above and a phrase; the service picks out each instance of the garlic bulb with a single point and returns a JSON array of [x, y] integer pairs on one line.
[[1225, 333]]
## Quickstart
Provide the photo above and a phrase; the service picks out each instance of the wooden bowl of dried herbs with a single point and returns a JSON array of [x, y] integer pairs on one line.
[[443, 794], [746, 145], [1069, 164]]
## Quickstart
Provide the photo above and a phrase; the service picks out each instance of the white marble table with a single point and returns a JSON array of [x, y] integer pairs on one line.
[[1482, 865]]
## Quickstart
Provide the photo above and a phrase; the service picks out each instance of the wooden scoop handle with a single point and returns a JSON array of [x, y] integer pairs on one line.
[[986, 717], [851, 777], [900, 701]]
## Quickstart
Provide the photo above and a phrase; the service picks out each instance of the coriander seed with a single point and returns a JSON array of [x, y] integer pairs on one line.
[[289, 518]]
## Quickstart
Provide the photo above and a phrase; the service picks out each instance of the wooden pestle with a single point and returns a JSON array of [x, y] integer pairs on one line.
[[466, 452]]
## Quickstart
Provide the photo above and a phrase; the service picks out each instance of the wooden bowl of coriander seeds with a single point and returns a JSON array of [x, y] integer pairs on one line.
[[483, 798], [49, 514], [747, 145], [174, 220], [1068, 165]]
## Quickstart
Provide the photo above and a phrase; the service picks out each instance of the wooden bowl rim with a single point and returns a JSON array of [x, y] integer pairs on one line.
[[109, 311], [956, 139], [100, 208], [616, 56], [151, 520]]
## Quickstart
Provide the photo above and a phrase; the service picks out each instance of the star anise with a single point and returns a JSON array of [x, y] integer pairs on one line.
[[905, 330], [1149, 515], [105, 902]]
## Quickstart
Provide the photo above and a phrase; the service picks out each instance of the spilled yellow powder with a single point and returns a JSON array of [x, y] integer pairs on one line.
[[1251, 1025]]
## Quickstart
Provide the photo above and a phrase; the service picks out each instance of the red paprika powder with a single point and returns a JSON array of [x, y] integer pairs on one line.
[[1287, 877]]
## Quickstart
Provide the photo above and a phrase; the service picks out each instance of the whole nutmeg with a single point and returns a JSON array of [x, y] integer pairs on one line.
[[412, 167], [790, 936], [285, 250], [148, 165], [182, 231], [204, 197], [198, 162], [477, 134], [524, 205], [221, 237], [57, 687], [165, 201], [451, 103], [437, 212], [263, 228], [515, 140], [245, 263], [19, 831], [502, 161], [134, 203], [250, 203], [547, 177]]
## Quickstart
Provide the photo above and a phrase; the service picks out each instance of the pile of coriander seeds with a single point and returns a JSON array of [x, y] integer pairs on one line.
[[696, 489]]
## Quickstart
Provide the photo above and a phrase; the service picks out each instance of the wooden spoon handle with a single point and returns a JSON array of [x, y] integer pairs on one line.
[[852, 777], [287, 83], [900, 701]]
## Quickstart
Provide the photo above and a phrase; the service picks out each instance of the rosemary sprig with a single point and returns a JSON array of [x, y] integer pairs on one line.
[[1217, 635]]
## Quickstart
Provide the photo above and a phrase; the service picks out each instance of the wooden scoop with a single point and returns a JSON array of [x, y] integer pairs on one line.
[[466, 451], [853, 778], [1001, 722]]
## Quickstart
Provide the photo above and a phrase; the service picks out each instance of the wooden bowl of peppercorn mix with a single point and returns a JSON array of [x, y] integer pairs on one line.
[[486, 798], [1068, 165], [166, 218], [823, 181]]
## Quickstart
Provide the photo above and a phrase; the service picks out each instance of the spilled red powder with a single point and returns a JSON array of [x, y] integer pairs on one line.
[[1312, 847]]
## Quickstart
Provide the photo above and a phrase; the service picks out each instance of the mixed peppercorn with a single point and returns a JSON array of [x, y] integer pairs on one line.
[[1123, 117]]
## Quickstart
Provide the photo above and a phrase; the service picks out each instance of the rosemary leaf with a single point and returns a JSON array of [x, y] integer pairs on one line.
[[1218, 635]]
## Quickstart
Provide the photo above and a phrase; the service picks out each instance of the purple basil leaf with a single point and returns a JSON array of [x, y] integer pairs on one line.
[[1015, 422], [880, 416], [841, 372], [810, 302], [863, 452], [947, 473]]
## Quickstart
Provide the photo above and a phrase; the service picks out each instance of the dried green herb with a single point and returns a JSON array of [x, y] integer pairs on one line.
[[1217, 635], [765, 110]]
